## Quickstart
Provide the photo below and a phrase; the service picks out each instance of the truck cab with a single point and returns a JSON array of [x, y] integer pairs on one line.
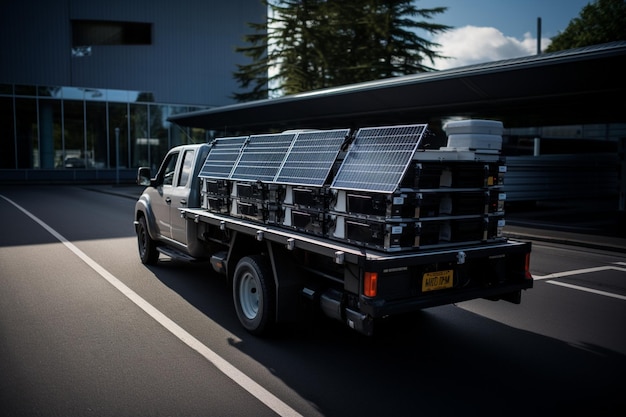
[[157, 212]]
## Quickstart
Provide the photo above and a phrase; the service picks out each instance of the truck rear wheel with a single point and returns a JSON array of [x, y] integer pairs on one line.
[[148, 252], [254, 294]]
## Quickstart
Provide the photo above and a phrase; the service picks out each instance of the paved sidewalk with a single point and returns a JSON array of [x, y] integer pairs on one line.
[[591, 241], [590, 224]]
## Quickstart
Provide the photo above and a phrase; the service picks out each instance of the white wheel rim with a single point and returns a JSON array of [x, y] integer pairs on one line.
[[249, 296]]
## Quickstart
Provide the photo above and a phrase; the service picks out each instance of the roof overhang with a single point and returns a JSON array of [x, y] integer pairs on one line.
[[585, 85]]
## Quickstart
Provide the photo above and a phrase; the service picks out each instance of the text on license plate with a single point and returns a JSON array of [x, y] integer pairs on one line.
[[437, 280]]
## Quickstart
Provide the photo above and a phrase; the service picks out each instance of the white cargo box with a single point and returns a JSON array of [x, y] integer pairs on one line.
[[475, 141], [474, 126]]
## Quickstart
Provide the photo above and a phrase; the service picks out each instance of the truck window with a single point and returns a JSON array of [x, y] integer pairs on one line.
[[185, 170], [169, 167]]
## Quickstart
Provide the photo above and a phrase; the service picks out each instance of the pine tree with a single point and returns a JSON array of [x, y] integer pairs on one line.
[[315, 44]]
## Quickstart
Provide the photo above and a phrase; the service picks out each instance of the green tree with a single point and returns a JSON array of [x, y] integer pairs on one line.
[[313, 44], [599, 22]]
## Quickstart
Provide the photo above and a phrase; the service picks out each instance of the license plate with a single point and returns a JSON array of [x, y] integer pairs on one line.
[[437, 280]]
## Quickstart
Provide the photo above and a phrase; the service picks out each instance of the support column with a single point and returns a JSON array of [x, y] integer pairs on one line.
[[621, 183], [46, 138]]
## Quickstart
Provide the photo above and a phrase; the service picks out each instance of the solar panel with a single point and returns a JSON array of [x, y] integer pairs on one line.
[[311, 157], [378, 158], [262, 157], [222, 156]]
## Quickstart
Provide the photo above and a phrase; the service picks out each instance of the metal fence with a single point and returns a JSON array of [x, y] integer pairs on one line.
[[550, 177]]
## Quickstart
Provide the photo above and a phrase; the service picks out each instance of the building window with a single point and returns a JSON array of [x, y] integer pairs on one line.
[[105, 32]]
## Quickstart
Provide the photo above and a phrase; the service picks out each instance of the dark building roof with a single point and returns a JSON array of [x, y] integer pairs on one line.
[[577, 86]]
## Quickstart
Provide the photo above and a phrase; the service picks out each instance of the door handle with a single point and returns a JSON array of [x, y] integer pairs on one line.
[[183, 201], [168, 200]]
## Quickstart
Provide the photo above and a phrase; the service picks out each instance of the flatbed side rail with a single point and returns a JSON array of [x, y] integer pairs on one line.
[[345, 253]]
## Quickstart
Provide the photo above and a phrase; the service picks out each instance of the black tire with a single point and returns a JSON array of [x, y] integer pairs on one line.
[[254, 295], [148, 252]]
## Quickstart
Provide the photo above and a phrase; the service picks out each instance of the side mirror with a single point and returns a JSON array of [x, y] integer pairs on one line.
[[144, 176]]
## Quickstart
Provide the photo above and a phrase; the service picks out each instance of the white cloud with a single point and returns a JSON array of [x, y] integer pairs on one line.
[[474, 45]]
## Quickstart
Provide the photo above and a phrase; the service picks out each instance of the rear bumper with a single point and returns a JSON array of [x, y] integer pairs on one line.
[[377, 308], [362, 319]]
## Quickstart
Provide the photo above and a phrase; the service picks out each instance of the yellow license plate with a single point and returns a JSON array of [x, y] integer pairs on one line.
[[437, 280]]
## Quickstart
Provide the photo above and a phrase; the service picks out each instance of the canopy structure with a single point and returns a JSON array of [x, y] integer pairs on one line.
[[577, 86]]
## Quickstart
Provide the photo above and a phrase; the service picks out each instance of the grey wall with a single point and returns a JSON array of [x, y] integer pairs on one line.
[[190, 61]]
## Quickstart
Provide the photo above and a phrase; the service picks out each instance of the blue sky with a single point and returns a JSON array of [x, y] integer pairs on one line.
[[491, 30]]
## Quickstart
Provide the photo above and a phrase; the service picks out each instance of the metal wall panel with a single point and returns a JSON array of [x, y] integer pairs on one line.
[[551, 177], [190, 61]]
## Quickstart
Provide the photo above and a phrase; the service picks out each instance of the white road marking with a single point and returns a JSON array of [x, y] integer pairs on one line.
[[549, 279], [247, 383], [591, 290], [578, 272]]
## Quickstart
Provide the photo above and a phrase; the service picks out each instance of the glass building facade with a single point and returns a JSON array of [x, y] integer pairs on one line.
[[58, 133]]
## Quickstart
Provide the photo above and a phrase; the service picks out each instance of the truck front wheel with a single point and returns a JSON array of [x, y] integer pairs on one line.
[[254, 294], [148, 252]]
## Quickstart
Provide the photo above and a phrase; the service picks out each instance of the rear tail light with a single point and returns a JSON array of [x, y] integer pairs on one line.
[[527, 273], [370, 283]]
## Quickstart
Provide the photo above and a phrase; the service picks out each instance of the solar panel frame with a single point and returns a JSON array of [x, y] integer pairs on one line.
[[378, 158], [311, 157], [222, 157], [262, 157]]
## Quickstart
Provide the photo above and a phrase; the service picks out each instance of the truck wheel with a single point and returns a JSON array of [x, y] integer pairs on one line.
[[147, 248], [254, 294]]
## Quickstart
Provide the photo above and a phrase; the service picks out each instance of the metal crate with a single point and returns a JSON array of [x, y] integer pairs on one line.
[[216, 186], [382, 235], [308, 221], [375, 205], [216, 204], [308, 198], [422, 176], [257, 210], [452, 230]]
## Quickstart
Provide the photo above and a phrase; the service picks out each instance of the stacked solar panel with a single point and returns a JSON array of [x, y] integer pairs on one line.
[[375, 188]]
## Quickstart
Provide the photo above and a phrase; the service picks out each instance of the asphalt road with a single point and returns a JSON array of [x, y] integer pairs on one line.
[[86, 329]]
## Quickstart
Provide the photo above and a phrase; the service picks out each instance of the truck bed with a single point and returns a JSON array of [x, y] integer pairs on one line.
[[490, 270]]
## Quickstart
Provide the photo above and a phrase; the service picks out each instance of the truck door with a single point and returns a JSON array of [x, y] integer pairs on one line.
[[161, 197], [179, 194]]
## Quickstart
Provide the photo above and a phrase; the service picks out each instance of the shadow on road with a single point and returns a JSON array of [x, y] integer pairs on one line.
[[442, 361]]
